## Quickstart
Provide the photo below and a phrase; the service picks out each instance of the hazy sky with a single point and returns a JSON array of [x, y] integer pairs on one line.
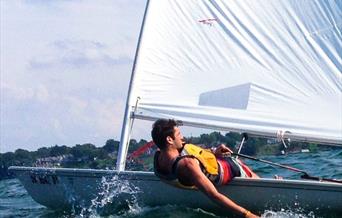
[[65, 69]]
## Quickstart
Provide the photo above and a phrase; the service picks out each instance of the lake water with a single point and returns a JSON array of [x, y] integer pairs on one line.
[[15, 201]]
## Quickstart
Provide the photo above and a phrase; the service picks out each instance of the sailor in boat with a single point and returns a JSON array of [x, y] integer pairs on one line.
[[190, 166]]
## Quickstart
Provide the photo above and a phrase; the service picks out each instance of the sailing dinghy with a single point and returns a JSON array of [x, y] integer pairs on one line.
[[266, 68]]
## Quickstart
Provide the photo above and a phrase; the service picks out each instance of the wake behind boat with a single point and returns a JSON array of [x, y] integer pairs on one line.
[[264, 68]]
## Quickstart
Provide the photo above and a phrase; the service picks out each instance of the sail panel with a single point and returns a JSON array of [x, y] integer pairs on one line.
[[264, 66]]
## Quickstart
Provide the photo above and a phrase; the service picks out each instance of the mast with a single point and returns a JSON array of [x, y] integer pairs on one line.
[[128, 118]]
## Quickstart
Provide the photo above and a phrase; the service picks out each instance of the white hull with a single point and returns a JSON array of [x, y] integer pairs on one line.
[[59, 189]]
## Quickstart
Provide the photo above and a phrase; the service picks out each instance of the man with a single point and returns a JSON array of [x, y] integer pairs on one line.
[[190, 166]]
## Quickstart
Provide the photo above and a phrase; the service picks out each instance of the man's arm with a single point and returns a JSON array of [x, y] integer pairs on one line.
[[189, 169], [222, 150]]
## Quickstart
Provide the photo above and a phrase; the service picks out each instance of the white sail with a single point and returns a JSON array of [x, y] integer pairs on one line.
[[254, 66]]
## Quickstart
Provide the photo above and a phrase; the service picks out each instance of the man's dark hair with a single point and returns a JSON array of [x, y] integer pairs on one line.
[[161, 129]]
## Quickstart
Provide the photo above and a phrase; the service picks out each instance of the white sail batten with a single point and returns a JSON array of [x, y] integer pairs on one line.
[[252, 66]]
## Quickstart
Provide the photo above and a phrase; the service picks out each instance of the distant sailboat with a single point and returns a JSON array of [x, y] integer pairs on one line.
[[266, 68]]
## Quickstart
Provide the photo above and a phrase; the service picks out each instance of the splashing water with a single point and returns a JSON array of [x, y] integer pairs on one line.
[[286, 214], [114, 195]]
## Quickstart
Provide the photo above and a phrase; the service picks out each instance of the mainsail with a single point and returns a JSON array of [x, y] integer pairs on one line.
[[262, 67]]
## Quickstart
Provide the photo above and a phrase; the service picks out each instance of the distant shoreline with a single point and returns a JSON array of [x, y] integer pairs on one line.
[[89, 156]]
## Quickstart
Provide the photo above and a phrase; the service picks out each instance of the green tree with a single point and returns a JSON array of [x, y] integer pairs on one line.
[[43, 152], [133, 145], [7, 159], [101, 154], [24, 157], [59, 150], [231, 138], [85, 151], [142, 142], [111, 146], [205, 139]]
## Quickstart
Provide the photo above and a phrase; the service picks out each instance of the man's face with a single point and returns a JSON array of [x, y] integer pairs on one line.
[[178, 138]]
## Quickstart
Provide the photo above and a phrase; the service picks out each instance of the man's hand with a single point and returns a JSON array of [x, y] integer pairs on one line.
[[222, 150], [251, 215]]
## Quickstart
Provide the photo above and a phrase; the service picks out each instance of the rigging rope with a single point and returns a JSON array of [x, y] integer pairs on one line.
[[281, 137]]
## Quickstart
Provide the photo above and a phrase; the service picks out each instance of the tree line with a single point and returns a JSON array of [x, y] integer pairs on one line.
[[90, 156]]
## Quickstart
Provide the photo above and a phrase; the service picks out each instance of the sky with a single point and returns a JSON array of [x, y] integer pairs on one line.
[[65, 69]]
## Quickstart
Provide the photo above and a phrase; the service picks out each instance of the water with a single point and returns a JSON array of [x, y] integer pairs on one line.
[[15, 201]]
